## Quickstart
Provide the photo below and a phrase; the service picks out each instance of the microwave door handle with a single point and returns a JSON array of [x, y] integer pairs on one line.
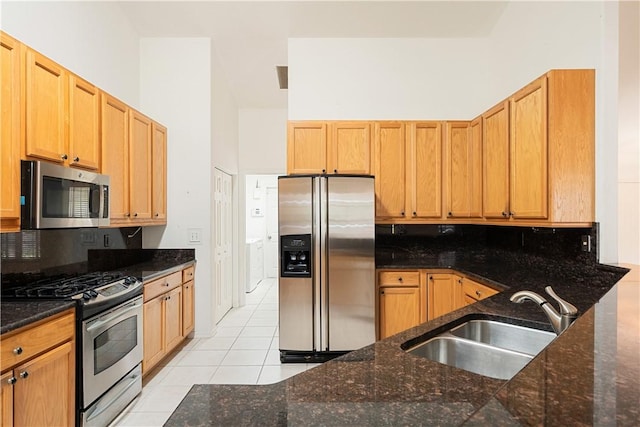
[[120, 313]]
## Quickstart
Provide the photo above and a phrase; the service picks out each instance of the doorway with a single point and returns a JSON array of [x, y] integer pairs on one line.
[[261, 228]]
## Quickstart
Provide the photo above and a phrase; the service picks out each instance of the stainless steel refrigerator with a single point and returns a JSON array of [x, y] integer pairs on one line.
[[327, 265]]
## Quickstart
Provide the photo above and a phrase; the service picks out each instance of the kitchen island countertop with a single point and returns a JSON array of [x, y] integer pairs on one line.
[[588, 375]]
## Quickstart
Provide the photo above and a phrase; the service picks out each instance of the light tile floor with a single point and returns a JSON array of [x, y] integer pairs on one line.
[[244, 350]]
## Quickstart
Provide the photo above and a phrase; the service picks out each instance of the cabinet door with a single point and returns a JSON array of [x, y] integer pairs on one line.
[[10, 51], [458, 165], [188, 313], [495, 143], [390, 158], [139, 166], [445, 294], [528, 139], [115, 155], [153, 329], [84, 122], [306, 147], [173, 318], [46, 106], [6, 399], [44, 393], [475, 168], [350, 148], [425, 160], [474, 291], [399, 309], [159, 172]]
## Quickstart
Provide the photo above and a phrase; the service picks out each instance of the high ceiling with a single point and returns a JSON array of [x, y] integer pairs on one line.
[[250, 37]]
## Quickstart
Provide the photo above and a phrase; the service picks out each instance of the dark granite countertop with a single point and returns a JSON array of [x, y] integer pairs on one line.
[[16, 314], [588, 375]]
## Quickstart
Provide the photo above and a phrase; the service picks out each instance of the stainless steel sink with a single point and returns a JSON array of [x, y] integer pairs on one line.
[[486, 347], [505, 335], [472, 356]]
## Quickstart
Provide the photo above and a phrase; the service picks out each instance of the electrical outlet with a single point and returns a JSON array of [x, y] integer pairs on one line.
[[586, 243], [194, 235]]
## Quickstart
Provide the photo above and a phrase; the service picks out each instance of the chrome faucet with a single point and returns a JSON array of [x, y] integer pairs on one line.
[[559, 321]]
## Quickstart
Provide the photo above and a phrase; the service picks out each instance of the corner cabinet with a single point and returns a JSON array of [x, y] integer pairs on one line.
[[168, 315], [10, 130], [38, 373], [539, 152], [401, 301]]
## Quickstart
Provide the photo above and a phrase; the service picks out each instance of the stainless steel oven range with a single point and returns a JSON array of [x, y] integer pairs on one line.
[[108, 338]]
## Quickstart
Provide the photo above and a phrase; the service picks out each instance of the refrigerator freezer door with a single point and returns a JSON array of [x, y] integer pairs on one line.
[[295, 213], [351, 262]]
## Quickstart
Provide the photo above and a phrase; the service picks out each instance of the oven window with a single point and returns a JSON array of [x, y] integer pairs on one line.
[[114, 343]]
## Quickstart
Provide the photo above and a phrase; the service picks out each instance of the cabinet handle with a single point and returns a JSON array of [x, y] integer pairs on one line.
[[399, 279], [135, 214], [24, 374], [512, 213], [449, 214], [430, 277], [335, 171], [166, 284], [460, 281], [12, 380], [127, 214], [64, 156], [478, 293], [414, 213], [157, 214], [17, 351], [505, 214], [381, 292], [324, 171], [76, 159], [402, 213]]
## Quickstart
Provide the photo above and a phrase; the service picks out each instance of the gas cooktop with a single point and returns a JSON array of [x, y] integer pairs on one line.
[[58, 287]]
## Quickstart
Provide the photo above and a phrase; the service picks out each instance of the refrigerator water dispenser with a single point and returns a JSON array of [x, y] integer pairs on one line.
[[296, 256]]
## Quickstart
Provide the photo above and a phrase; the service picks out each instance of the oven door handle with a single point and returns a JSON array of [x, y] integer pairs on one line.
[[118, 314], [114, 399]]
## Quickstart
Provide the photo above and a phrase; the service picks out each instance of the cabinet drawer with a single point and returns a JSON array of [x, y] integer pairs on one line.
[[162, 285], [399, 278], [476, 290], [187, 274], [33, 341]]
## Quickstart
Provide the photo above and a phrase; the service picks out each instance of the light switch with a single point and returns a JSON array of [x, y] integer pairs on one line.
[[194, 235]]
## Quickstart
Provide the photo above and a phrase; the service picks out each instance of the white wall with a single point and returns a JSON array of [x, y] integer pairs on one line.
[[459, 79], [175, 89], [93, 39], [382, 79], [256, 198], [629, 134], [263, 141]]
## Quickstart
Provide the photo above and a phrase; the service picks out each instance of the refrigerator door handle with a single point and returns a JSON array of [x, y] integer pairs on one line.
[[324, 264], [318, 264]]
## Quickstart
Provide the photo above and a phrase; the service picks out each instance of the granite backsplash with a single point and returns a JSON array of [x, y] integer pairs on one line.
[[564, 244]]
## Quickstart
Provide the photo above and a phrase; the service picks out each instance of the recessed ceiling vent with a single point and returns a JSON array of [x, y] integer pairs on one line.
[[283, 76]]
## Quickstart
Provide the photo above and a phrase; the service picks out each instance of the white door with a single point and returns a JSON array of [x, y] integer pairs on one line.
[[223, 227], [271, 241]]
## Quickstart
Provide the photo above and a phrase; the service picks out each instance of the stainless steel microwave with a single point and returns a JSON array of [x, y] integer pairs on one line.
[[54, 196]]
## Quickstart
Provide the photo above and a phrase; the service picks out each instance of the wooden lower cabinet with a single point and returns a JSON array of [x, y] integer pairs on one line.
[[38, 382], [445, 294], [473, 292], [401, 301], [168, 315]]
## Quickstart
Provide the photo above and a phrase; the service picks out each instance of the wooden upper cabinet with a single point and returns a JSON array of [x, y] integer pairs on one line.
[[46, 107], [10, 128], [528, 153], [424, 157], [159, 173], [115, 155], [84, 124], [349, 148], [390, 158], [306, 147], [463, 141], [495, 143], [140, 165]]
